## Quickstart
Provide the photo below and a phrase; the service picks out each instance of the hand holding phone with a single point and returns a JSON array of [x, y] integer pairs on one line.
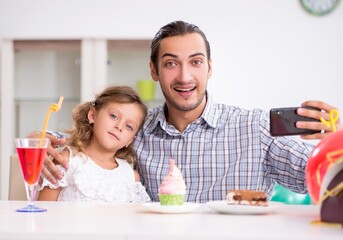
[[283, 120]]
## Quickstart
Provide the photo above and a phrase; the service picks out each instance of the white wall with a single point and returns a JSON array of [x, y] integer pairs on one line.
[[266, 53]]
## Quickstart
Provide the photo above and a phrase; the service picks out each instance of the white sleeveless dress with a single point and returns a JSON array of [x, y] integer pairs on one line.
[[84, 180]]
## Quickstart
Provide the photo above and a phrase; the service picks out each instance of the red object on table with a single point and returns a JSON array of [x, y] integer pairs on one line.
[[325, 154]]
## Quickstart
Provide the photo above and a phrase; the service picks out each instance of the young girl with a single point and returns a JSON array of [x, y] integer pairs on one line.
[[99, 151]]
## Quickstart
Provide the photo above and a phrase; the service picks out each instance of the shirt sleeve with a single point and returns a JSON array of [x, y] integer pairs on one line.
[[286, 159], [57, 134]]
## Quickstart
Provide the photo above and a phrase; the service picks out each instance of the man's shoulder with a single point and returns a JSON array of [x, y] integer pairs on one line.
[[231, 114], [233, 110], [154, 115], [155, 112]]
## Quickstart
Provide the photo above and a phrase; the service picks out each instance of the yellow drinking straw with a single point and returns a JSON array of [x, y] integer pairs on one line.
[[53, 107], [333, 119]]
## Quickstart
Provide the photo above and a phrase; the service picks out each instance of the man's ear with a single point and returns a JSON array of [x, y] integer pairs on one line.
[[91, 115], [209, 75], [153, 72]]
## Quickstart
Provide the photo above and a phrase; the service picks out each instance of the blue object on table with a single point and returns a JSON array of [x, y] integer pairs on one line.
[[281, 194]]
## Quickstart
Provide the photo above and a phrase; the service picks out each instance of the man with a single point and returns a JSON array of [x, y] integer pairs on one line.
[[216, 146]]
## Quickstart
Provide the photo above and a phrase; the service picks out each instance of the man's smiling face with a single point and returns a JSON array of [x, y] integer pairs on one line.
[[183, 71]]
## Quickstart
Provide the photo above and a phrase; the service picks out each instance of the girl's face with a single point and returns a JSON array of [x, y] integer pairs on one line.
[[115, 125]]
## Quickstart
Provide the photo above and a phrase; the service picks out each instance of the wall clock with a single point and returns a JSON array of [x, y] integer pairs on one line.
[[319, 7]]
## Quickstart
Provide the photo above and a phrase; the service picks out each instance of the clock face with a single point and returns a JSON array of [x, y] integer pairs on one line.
[[319, 7]]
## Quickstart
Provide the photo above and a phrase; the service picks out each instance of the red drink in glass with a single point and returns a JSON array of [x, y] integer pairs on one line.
[[31, 154], [31, 161]]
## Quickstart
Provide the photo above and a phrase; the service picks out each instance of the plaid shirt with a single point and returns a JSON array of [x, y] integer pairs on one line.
[[226, 148]]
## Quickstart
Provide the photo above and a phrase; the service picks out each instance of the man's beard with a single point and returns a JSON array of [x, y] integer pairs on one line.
[[184, 107]]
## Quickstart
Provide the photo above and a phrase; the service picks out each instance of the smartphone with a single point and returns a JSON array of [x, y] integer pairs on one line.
[[283, 120]]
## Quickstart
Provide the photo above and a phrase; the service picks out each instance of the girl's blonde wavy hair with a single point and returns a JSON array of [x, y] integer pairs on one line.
[[82, 132]]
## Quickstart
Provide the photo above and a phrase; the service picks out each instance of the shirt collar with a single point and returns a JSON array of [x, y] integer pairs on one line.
[[209, 115]]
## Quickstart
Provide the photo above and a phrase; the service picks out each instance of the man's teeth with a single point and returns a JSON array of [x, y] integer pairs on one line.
[[184, 90]]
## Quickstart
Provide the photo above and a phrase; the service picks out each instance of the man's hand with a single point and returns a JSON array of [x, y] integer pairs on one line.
[[325, 113], [49, 169]]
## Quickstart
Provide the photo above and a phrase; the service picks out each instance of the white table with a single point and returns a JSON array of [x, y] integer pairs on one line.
[[85, 221]]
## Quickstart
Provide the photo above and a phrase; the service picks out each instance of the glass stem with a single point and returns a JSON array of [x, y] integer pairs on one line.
[[31, 192]]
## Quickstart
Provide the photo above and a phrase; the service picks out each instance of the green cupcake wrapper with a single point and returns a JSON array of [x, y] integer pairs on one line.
[[171, 199]]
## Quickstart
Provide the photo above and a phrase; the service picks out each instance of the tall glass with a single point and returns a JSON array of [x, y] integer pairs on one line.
[[31, 153]]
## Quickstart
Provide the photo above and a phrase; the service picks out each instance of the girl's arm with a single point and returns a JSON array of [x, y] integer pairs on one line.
[[137, 177], [48, 194]]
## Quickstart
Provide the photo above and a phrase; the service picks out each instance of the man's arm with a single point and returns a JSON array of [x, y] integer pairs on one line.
[[49, 193], [49, 169]]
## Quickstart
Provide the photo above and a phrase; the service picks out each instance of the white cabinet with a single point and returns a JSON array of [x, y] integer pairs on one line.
[[44, 71], [128, 62], [35, 73]]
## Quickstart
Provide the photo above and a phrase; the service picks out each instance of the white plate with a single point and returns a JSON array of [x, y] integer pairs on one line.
[[158, 208], [223, 207]]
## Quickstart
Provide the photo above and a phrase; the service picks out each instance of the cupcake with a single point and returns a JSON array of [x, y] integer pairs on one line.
[[173, 188]]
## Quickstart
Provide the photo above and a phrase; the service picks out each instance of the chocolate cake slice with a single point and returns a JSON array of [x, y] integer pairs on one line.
[[247, 197], [332, 207]]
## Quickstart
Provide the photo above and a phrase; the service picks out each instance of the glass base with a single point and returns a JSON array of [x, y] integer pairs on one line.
[[31, 208]]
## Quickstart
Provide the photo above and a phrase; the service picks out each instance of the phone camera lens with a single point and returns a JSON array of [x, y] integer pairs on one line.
[[279, 112]]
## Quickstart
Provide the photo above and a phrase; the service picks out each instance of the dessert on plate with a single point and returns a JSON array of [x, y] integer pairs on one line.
[[246, 197], [173, 188]]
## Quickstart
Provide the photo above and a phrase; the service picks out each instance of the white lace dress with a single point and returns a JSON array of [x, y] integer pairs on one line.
[[86, 181]]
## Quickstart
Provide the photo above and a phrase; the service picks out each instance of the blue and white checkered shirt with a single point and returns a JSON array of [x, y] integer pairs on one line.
[[226, 148]]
